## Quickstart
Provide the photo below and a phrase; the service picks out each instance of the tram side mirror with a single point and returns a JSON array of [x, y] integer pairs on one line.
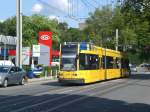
[[61, 65], [77, 57]]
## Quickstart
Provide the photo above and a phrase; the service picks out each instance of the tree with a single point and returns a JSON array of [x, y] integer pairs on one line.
[[31, 26], [42, 23], [99, 25], [102, 25], [137, 15], [63, 28], [9, 27]]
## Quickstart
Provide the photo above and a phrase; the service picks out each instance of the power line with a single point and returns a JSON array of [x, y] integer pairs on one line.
[[85, 4], [48, 5], [90, 3], [63, 12], [95, 1], [73, 8]]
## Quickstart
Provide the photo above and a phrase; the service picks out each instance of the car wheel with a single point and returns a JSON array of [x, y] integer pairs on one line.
[[22, 81], [5, 83]]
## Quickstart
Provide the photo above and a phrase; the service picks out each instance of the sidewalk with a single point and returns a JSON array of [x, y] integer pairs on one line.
[[137, 73], [42, 79]]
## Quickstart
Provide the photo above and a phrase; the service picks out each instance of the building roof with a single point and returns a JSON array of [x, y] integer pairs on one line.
[[9, 40]]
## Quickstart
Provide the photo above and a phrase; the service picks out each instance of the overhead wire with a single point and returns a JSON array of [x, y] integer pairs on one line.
[[97, 2], [90, 4], [59, 10], [85, 4]]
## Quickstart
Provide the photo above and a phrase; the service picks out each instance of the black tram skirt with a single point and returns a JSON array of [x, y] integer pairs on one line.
[[72, 81]]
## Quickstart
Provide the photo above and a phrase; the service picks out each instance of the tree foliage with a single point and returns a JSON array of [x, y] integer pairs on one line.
[[132, 19], [31, 26], [137, 15]]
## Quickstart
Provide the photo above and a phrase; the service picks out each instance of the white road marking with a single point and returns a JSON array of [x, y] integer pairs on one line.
[[67, 91]]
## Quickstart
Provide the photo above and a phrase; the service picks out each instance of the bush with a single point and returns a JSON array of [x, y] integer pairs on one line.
[[54, 69], [48, 69], [26, 68]]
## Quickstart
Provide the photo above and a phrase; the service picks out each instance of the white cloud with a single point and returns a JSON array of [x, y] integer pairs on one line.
[[53, 17], [37, 8], [60, 4]]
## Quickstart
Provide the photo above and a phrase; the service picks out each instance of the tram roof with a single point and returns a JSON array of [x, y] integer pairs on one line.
[[96, 49]]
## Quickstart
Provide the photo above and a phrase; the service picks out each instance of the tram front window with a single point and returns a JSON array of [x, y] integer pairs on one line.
[[68, 64]]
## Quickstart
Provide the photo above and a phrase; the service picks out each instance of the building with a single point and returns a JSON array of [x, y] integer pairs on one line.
[[82, 26], [7, 47]]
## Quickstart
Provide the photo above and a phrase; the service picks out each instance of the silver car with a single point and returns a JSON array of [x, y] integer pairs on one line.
[[11, 75]]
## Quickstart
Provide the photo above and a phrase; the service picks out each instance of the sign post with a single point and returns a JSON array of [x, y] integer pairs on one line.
[[19, 33], [45, 42], [35, 53], [26, 55]]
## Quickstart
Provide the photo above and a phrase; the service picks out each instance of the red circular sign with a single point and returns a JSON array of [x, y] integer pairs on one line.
[[45, 37]]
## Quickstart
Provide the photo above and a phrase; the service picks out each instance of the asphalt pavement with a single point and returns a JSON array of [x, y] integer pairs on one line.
[[119, 95]]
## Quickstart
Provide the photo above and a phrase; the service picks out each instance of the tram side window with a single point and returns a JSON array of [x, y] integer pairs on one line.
[[125, 63], [118, 63], [89, 62], [103, 62], [109, 62], [94, 61]]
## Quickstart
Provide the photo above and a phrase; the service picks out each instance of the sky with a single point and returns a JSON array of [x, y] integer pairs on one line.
[[71, 11]]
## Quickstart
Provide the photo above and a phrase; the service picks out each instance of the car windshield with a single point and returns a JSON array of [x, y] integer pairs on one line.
[[4, 69], [133, 66]]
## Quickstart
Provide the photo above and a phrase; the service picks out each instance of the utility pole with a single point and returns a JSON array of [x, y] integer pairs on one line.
[[116, 45], [5, 50], [19, 33]]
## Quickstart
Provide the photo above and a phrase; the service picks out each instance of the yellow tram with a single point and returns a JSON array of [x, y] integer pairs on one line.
[[82, 63]]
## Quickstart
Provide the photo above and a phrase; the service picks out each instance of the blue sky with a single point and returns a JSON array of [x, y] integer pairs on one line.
[[70, 11]]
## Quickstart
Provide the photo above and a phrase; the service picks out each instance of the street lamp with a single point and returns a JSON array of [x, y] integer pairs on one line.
[[19, 33]]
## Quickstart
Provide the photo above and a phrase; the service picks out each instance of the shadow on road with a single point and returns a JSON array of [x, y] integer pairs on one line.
[[141, 76], [87, 104], [56, 83]]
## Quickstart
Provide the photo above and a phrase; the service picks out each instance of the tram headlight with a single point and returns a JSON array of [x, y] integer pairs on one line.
[[59, 74], [74, 74]]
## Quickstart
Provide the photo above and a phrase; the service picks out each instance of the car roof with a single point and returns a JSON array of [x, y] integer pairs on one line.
[[6, 63], [5, 66]]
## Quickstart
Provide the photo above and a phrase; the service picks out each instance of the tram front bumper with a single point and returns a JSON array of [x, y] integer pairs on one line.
[[72, 81]]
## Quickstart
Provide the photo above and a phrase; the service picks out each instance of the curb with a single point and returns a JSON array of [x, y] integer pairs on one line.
[[41, 79], [138, 73]]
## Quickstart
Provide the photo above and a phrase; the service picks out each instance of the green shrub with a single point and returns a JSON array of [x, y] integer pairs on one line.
[[48, 69], [26, 67]]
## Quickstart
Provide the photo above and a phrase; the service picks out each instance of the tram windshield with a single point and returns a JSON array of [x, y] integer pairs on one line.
[[68, 64], [68, 57]]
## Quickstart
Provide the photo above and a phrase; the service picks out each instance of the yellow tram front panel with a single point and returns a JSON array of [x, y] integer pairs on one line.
[[88, 76], [71, 77]]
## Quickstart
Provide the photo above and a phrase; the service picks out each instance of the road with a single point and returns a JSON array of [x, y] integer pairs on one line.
[[120, 95]]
